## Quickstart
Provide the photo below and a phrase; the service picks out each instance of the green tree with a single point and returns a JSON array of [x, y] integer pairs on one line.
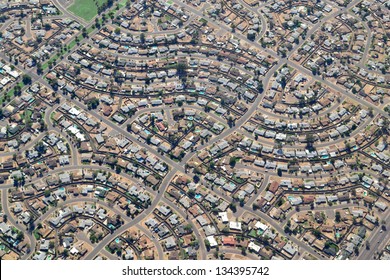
[[17, 90], [47, 193], [181, 68], [26, 79], [232, 161], [20, 236], [142, 38], [191, 193], [188, 228], [207, 244], [337, 217], [316, 233], [196, 179], [233, 207], [310, 141], [65, 253], [251, 36]]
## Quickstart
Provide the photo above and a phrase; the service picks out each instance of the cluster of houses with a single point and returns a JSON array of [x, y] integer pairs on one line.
[[168, 16], [36, 39], [8, 75], [344, 50]]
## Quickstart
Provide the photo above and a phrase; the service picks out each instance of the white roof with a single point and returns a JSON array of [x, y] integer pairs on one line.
[[260, 225], [235, 225], [213, 242], [74, 251], [223, 216], [254, 247]]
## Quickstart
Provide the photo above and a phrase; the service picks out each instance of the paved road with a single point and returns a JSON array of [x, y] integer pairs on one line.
[[28, 27], [13, 222], [317, 208], [66, 13], [241, 121], [367, 46], [377, 240], [177, 208], [107, 206], [283, 61], [227, 250], [174, 166], [151, 237], [135, 221], [73, 150]]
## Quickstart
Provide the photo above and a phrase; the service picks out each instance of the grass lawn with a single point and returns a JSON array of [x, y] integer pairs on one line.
[[27, 115], [10, 94], [72, 44], [253, 233], [36, 235], [85, 9], [70, 47], [52, 59], [122, 3]]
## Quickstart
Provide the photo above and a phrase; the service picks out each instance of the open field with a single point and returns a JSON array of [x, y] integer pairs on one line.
[[85, 9]]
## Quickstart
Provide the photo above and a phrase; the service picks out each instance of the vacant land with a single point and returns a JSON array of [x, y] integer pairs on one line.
[[86, 9]]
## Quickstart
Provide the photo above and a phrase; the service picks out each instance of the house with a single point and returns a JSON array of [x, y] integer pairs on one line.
[[64, 178], [253, 247], [228, 241], [235, 226], [170, 243], [164, 210], [261, 226], [223, 217], [290, 249], [295, 200], [213, 243]]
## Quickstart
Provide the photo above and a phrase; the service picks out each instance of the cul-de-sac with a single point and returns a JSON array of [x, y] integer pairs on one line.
[[194, 129]]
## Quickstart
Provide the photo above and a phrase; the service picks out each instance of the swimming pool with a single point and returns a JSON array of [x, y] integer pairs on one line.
[[366, 185]]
